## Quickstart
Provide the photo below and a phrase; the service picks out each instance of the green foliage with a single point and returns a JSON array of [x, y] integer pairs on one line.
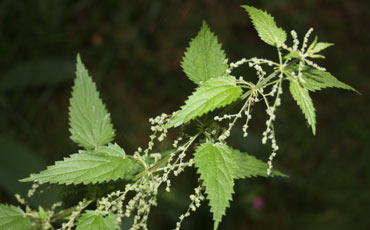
[[88, 166], [248, 166], [317, 79], [321, 46], [90, 123], [214, 93], [217, 168], [266, 27], [303, 99], [90, 220], [218, 165], [13, 218], [204, 59]]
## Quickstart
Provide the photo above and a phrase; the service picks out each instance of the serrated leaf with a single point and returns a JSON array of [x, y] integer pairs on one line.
[[216, 167], [90, 220], [316, 80], [214, 93], [266, 27], [249, 166], [90, 123], [321, 46], [304, 102], [92, 166], [204, 58], [13, 218]]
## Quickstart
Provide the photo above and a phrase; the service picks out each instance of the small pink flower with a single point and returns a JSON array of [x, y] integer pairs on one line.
[[258, 202]]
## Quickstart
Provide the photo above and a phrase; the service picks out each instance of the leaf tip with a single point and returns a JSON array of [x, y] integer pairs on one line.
[[314, 130], [78, 58], [215, 226], [27, 179]]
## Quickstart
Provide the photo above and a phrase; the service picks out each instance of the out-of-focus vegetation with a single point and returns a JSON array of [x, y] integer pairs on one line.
[[133, 50]]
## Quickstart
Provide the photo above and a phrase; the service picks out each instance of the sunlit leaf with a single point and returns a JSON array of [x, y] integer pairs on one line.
[[214, 93], [91, 166], [216, 167], [204, 58], [90, 123], [266, 26]]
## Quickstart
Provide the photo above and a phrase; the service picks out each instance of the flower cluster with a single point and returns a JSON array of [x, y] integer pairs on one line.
[[196, 200]]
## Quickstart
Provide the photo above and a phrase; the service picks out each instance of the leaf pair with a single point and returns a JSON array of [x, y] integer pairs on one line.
[[205, 64], [91, 128], [314, 80], [219, 165]]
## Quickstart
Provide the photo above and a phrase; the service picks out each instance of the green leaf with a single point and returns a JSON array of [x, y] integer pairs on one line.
[[214, 93], [13, 218], [204, 59], [216, 167], [304, 101], [316, 80], [92, 166], [321, 46], [248, 166], [90, 123], [293, 54], [266, 27], [90, 220]]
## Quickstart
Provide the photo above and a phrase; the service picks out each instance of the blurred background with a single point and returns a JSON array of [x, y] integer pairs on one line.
[[133, 50]]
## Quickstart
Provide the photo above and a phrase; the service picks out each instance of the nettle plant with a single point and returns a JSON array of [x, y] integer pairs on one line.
[[209, 109]]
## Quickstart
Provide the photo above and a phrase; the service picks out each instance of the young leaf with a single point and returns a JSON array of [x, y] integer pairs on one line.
[[292, 54], [266, 27], [304, 101], [92, 166], [90, 220], [249, 166], [204, 59], [13, 218], [216, 167], [316, 80], [321, 46], [90, 123], [214, 93]]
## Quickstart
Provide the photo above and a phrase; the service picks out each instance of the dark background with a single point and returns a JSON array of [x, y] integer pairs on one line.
[[133, 49]]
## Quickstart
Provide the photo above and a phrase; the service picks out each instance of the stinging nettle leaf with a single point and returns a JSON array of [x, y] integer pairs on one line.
[[90, 123], [321, 46], [216, 167], [248, 166], [90, 220], [91, 166], [303, 99], [13, 218], [214, 93], [204, 58], [266, 26], [316, 80]]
